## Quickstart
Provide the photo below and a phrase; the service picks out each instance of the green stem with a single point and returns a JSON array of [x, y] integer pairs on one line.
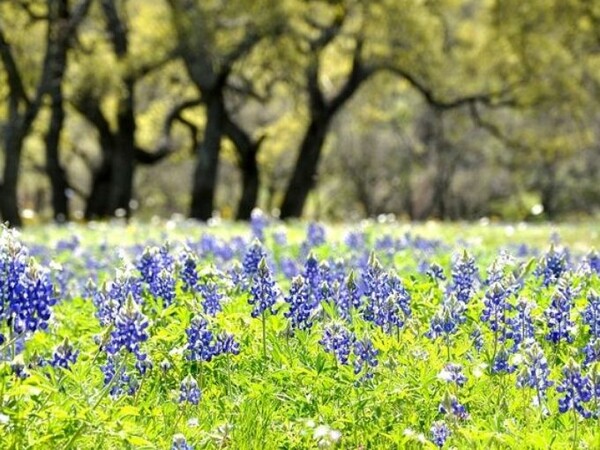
[[575, 428], [264, 336]]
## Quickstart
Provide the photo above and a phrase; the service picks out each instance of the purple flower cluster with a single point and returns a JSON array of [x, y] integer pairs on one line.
[[365, 358], [204, 345], [558, 314], [551, 266], [576, 389], [338, 341], [263, 291], [439, 433], [534, 373], [189, 391], [386, 302], [157, 269], [26, 291], [464, 277], [64, 355]]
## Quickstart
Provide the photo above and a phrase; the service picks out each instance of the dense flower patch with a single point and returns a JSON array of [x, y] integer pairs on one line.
[[269, 338]]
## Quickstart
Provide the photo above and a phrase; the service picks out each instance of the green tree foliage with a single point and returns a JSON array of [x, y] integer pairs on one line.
[[446, 108]]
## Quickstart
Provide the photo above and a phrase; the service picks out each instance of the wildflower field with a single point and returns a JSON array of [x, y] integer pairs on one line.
[[180, 336]]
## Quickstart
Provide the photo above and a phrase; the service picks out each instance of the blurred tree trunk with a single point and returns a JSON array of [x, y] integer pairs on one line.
[[247, 151], [59, 34], [207, 156], [22, 110], [322, 111]]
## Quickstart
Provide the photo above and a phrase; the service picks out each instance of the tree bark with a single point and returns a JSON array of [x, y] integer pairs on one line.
[[13, 146], [247, 150], [58, 47], [305, 171], [207, 157], [123, 160]]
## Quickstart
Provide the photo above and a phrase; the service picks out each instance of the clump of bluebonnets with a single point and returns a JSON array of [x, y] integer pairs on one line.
[[453, 373], [464, 277], [365, 358], [26, 291], [189, 391], [534, 372], [263, 291], [180, 443], [551, 266], [558, 314], [576, 390], [201, 344], [252, 259], [337, 340], [129, 331], [452, 408], [447, 319], [64, 355], [439, 433]]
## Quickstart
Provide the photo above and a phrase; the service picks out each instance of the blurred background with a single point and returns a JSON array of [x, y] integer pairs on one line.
[[335, 110]]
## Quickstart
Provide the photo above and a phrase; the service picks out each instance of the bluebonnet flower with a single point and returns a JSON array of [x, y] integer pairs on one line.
[[387, 302], [118, 377], [346, 296], [149, 265], [447, 319], [306, 293], [258, 222], [477, 339], [501, 362], [26, 291], [436, 272], [355, 240], [288, 267], [226, 344], [301, 305], [180, 443], [551, 267], [19, 369], [156, 266], [365, 358], [109, 299], [453, 373], [130, 331], [439, 433], [591, 314], [280, 237], [64, 355], [534, 372], [558, 314], [495, 311], [453, 408], [337, 340], [315, 234], [165, 287], [576, 389], [189, 391], [593, 260], [252, 259], [495, 273], [211, 297], [188, 272], [464, 277], [200, 341], [521, 324], [263, 291], [592, 352]]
